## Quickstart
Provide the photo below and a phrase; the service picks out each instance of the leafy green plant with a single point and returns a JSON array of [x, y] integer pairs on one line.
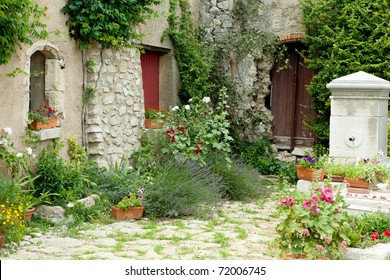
[[343, 37], [20, 22], [312, 224], [131, 200], [155, 113], [259, 154], [190, 52], [111, 23], [243, 181], [196, 129], [364, 226], [369, 170]]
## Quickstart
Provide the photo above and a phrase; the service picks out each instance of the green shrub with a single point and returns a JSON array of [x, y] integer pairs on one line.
[[243, 181], [79, 213], [259, 155], [68, 179], [362, 226], [183, 188], [115, 182]]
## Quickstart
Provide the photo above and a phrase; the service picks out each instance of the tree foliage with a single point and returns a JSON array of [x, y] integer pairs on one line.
[[111, 23], [343, 37], [20, 22]]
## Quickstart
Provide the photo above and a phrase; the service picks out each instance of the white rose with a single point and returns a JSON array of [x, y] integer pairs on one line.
[[175, 108], [29, 150], [206, 99], [19, 155], [187, 107]]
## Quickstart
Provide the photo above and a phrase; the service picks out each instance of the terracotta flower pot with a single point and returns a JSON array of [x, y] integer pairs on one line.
[[3, 236], [356, 183], [50, 123], [291, 256], [308, 174], [133, 213], [28, 214], [154, 123]]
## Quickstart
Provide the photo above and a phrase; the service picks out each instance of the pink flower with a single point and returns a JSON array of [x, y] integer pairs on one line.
[[307, 204], [327, 195], [140, 197], [317, 211], [319, 247], [305, 232], [344, 243], [327, 240], [283, 202], [291, 201], [140, 190]]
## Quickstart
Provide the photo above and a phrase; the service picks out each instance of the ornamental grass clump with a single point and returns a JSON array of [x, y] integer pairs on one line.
[[183, 188], [313, 224]]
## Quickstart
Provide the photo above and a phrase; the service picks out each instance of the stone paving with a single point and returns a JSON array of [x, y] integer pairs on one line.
[[242, 231]]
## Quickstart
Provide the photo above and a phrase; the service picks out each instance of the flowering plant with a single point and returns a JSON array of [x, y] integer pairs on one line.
[[312, 224], [197, 128], [369, 170], [155, 113], [42, 113], [308, 162], [131, 200]]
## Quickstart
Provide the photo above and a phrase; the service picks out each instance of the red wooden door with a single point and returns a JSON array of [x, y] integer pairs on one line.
[[150, 78], [291, 103]]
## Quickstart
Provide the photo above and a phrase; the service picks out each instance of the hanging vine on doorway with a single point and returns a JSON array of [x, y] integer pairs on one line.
[[111, 24]]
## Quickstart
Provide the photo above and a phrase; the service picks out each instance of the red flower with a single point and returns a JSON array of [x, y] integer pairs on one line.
[[181, 128], [201, 143], [387, 232], [197, 150], [173, 139], [374, 235], [170, 132]]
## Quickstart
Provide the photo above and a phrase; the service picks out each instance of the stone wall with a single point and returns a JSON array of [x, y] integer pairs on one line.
[[116, 113], [252, 77]]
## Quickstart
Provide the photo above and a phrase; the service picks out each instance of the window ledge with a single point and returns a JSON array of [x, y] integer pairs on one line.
[[47, 134]]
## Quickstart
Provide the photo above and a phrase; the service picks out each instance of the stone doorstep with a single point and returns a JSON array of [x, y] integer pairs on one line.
[[358, 203]]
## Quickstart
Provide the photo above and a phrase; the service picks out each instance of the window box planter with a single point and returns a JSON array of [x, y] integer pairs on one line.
[[133, 213], [50, 123]]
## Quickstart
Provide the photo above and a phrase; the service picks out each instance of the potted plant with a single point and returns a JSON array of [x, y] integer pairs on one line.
[[334, 169], [366, 173], [309, 169], [130, 207], [313, 224], [43, 117], [155, 118]]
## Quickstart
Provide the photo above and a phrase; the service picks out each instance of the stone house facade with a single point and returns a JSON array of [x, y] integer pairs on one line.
[[112, 123]]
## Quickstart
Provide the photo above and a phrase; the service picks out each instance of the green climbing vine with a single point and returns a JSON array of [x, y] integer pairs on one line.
[[20, 23], [343, 37], [111, 23], [190, 52]]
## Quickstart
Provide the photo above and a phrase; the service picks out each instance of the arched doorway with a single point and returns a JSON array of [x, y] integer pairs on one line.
[[290, 103]]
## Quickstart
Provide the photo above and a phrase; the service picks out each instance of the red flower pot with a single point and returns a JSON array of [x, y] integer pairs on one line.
[[50, 123], [132, 213], [308, 174]]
